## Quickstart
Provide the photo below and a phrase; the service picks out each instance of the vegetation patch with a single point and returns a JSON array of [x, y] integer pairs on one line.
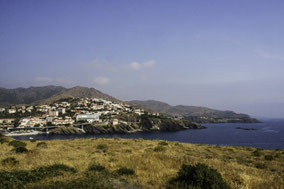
[[20, 150], [96, 167], [41, 145], [159, 149], [125, 171], [260, 166], [17, 143], [102, 147], [198, 176], [163, 143], [33, 140], [18, 178], [100, 181], [268, 157], [10, 161], [3, 139], [257, 153]]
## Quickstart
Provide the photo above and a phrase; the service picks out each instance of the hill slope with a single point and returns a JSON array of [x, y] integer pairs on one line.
[[78, 91], [194, 113], [27, 95], [47, 94], [154, 163]]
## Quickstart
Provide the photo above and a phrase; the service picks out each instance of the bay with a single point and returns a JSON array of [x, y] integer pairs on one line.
[[268, 135]]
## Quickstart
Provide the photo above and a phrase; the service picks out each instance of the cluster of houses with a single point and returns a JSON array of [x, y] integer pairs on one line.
[[65, 112]]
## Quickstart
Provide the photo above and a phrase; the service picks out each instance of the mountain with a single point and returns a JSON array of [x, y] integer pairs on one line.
[[193, 113], [47, 94], [27, 95], [78, 91]]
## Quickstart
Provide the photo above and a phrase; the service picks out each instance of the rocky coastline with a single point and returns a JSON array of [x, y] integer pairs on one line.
[[149, 125]]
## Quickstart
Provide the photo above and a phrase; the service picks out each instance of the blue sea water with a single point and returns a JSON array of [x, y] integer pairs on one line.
[[268, 135]]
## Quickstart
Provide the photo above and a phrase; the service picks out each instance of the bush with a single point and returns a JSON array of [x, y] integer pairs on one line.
[[159, 149], [4, 140], [10, 161], [41, 145], [21, 150], [198, 176], [163, 143], [125, 171], [268, 157], [17, 143], [260, 166], [33, 140], [257, 153], [96, 167], [18, 178], [102, 147]]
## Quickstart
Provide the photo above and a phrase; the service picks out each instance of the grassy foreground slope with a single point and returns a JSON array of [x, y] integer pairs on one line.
[[95, 163]]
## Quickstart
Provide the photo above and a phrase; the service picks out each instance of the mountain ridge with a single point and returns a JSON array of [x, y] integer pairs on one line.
[[47, 94], [193, 113], [51, 93]]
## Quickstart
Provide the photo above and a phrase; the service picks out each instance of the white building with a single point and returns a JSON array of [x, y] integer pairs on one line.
[[88, 117], [12, 111]]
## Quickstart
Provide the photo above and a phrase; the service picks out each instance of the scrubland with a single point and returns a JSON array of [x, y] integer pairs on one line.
[[131, 163]]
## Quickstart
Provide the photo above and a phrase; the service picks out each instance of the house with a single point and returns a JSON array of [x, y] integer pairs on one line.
[[6, 121], [115, 122], [62, 110], [139, 111], [53, 113], [12, 111]]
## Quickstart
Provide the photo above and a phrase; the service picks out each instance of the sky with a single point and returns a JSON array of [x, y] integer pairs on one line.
[[224, 54]]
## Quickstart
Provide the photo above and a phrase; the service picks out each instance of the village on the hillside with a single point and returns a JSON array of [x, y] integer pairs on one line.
[[65, 112]]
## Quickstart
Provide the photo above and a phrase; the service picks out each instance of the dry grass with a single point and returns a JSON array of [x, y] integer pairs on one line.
[[241, 167]]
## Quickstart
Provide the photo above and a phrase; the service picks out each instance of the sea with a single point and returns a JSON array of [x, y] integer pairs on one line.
[[269, 134]]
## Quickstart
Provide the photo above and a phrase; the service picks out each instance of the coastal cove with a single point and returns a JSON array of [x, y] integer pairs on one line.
[[268, 135]]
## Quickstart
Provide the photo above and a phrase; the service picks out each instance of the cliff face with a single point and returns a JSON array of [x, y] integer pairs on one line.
[[145, 125]]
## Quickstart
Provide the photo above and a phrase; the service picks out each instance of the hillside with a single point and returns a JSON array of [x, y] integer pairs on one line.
[[47, 94], [132, 163], [27, 95], [78, 91], [194, 113]]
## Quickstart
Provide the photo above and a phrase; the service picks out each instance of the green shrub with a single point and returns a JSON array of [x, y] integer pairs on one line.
[[102, 147], [33, 140], [125, 171], [41, 145], [256, 153], [11, 161], [159, 149], [96, 181], [96, 167], [260, 166], [17, 143], [198, 176], [163, 143], [18, 178], [4, 139], [128, 150], [268, 157], [21, 150]]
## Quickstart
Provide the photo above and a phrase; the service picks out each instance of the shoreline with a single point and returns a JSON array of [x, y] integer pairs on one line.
[[23, 134]]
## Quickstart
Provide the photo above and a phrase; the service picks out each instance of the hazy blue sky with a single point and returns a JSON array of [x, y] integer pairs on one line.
[[226, 54]]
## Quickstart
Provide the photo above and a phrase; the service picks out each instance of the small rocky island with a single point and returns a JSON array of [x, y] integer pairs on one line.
[[246, 129]]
